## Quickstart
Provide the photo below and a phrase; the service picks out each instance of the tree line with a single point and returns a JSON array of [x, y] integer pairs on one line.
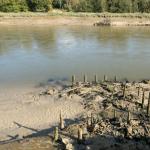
[[113, 6]]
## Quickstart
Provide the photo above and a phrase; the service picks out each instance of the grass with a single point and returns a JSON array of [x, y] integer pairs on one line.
[[75, 14]]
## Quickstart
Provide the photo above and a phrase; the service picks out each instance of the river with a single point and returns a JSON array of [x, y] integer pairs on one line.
[[34, 54]]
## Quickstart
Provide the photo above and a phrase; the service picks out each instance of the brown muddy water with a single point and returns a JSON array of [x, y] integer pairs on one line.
[[33, 54]]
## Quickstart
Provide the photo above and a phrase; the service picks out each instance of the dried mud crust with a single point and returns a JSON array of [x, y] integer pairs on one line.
[[116, 116]]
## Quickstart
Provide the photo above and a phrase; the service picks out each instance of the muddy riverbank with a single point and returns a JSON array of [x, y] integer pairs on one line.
[[102, 115], [86, 19]]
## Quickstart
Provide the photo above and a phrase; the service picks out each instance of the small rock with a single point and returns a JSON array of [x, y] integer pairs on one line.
[[96, 126], [146, 81], [129, 131], [98, 99], [67, 144], [84, 129], [134, 123], [51, 91], [103, 125]]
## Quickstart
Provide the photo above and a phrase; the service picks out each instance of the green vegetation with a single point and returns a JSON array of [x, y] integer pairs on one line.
[[13, 5], [113, 6], [25, 5]]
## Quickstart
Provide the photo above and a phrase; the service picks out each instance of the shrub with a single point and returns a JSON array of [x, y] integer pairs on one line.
[[13, 5], [40, 5]]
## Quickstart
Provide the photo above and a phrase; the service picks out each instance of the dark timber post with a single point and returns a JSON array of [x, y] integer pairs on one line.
[[129, 117], [139, 91], [85, 78], [143, 98], [124, 90], [56, 134], [115, 114], [80, 134], [73, 80], [61, 121], [105, 78], [148, 106], [115, 79], [95, 78]]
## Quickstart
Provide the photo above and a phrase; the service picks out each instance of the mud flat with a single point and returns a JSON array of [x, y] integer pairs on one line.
[[66, 18], [90, 115], [32, 112]]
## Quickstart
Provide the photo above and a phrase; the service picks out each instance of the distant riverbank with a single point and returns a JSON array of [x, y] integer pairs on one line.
[[70, 18]]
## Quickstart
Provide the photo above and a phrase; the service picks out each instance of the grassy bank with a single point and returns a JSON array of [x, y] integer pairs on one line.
[[57, 17], [73, 14]]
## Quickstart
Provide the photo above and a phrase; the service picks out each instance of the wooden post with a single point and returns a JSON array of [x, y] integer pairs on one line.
[[115, 114], [80, 134], [129, 117], [91, 119], [73, 80], [61, 121], [115, 80], [85, 79], [113, 91], [143, 98], [148, 106], [88, 121], [56, 135], [105, 78], [138, 90], [124, 90], [95, 78]]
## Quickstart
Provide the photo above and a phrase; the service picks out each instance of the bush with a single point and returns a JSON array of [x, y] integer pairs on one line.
[[40, 5], [13, 5], [114, 6], [25, 5]]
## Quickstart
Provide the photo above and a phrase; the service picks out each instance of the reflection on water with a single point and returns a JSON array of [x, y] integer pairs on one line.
[[34, 54]]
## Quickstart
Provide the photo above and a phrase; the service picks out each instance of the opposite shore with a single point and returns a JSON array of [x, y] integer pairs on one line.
[[70, 18]]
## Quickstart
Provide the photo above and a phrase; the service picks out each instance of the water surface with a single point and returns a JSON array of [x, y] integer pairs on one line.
[[33, 54]]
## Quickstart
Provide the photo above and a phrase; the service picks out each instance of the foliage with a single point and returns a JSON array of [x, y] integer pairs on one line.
[[113, 6], [25, 5], [39, 5], [13, 5]]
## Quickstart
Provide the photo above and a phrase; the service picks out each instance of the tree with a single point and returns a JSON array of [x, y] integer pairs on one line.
[[13, 5], [104, 5], [39, 5], [57, 3]]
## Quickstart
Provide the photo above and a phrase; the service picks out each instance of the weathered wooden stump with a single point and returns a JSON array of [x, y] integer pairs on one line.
[[139, 90], [85, 78], [115, 79], [105, 78], [56, 134], [95, 79], [61, 122], [115, 114], [124, 90], [148, 106], [92, 120], [143, 98], [128, 117], [80, 134], [73, 80]]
